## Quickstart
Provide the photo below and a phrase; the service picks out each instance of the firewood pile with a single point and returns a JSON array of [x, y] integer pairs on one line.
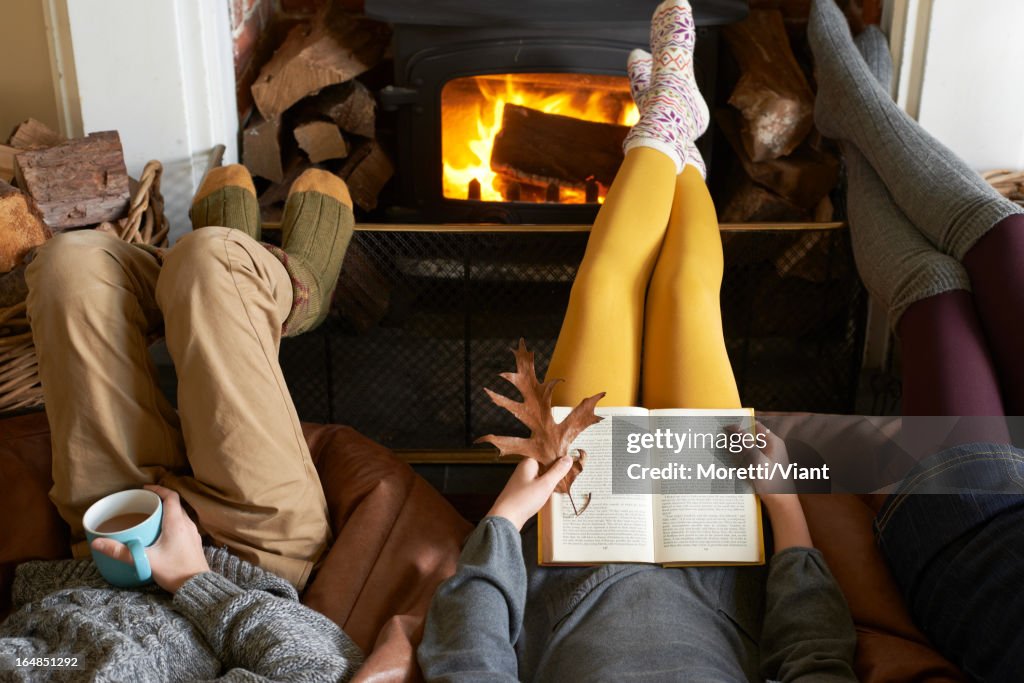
[[59, 185], [787, 168], [311, 110], [1010, 184]]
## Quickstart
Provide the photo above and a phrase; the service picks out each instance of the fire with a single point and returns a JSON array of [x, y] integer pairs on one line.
[[472, 114]]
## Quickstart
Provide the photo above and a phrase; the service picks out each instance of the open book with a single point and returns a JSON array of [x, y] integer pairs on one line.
[[670, 529]]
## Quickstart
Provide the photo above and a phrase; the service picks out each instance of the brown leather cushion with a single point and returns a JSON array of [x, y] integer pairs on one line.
[[396, 538]]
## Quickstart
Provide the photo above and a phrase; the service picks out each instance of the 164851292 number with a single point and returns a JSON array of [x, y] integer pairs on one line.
[[46, 662]]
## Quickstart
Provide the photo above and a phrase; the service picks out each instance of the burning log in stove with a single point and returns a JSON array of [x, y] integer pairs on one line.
[[312, 111], [533, 137], [549, 150]]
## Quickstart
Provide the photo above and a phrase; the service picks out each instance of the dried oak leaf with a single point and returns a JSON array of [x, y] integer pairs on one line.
[[548, 440]]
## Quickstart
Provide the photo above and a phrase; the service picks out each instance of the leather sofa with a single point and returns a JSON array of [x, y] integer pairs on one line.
[[396, 538]]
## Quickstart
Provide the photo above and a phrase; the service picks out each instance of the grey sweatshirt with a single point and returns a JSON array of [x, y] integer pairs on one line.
[[236, 622], [497, 621]]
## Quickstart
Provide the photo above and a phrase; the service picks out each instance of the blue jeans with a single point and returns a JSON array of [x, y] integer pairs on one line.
[[953, 536]]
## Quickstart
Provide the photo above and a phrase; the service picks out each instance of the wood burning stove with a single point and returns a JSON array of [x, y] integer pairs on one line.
[[460, 63], [425, 315]]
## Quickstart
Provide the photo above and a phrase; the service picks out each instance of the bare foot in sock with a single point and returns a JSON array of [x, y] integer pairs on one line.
[[898, 265], [846, 86], [639, 67], [673, 112], [315, 232], [227, 198]]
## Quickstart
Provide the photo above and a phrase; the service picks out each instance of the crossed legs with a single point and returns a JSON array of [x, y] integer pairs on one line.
[[234, 449], [647, 295], [926, 230]]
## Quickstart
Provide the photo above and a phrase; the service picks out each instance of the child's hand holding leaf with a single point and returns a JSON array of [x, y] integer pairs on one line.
[[548, 444]]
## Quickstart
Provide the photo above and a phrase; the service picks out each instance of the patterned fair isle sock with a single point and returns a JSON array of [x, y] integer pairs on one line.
[[315, 232], [227, 198], [947, 201], [639, 69], [673, 112], [898, 264]]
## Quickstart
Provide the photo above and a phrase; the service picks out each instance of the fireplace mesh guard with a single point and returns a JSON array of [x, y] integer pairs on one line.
[[793, 310]]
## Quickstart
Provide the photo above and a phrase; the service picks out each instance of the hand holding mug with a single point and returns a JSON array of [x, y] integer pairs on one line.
[[177, 554]]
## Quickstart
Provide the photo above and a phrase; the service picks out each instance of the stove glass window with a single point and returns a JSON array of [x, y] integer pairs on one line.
[[533, 137]]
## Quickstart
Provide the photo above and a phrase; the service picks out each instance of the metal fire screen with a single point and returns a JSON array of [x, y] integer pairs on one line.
[[405, 359]]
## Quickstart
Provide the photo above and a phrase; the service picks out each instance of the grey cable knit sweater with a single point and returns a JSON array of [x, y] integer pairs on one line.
[[237, 622]]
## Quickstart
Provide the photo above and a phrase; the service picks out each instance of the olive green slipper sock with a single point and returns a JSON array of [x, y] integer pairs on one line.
[[227, 198], [315, 232]]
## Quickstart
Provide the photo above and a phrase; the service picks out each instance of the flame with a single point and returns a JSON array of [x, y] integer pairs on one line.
[[472, 121]]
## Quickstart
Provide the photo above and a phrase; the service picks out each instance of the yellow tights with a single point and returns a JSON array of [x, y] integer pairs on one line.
[[655, 242]]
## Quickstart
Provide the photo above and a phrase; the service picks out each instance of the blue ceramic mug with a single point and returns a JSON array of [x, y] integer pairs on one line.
[[132, 517]]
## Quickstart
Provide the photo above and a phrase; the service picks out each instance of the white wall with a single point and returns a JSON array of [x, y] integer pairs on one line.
[[26, 83], [972, 89], [161, 73]]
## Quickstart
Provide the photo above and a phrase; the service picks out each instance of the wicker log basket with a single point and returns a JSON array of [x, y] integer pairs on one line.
[[145, 223]]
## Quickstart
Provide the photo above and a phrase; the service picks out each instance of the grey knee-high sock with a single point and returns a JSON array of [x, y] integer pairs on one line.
[[898, 264], [947, 201]]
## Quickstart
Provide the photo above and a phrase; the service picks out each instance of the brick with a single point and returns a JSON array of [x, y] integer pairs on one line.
[[245, 42]]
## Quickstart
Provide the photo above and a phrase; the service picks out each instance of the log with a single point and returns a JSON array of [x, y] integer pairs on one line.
[[366, 171], [802, 178], [350, 105], [825, 211], [364, 291], [278, 192], [261, 149], [79, 182], [7, 163], [321, 140], [751, 203], [515, 191], [21, 227], [772, 94], [34, 134], [335, 47], [543, 149]]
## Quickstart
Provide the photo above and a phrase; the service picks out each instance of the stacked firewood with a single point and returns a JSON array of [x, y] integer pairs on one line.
[[60, 184], [312, 111], [787, 169], [1010, 184]]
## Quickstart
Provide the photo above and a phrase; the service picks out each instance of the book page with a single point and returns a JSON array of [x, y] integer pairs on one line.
[[721, 526], [612, 528], [717, 528]]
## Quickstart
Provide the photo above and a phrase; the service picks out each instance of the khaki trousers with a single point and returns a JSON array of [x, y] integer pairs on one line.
[[234, 450]]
